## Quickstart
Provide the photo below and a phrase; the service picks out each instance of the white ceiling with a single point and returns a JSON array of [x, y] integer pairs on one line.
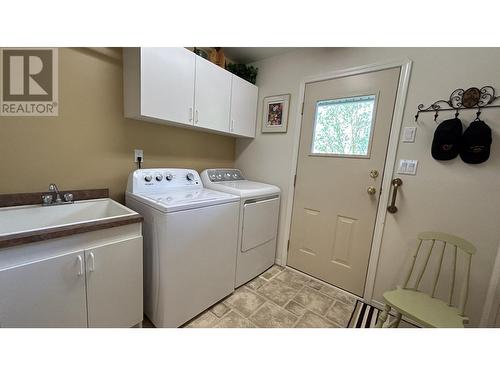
[[245, 55]]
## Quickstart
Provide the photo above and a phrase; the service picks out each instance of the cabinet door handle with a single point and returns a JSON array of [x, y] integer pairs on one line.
[[196, 116], [190, 114], [92, 262], [80, 263]]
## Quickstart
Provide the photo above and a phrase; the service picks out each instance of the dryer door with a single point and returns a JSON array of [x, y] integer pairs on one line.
[[260, 222]]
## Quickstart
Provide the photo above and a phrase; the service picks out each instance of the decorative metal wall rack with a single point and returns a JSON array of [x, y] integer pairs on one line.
[[460, 99]]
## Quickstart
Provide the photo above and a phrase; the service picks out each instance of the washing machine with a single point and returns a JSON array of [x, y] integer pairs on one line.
[[258, 220], [190, 242]]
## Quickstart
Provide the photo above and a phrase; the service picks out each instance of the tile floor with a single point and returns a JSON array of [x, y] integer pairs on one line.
[[280, 298]]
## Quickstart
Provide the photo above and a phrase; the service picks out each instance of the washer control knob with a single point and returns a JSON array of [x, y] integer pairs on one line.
[[148, 178], [159, 177], [190, 177], [169, 177]]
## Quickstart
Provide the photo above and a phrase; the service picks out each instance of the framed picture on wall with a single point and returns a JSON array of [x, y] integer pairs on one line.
[[275, 114]]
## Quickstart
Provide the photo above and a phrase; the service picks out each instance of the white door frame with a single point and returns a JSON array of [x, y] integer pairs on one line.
[[397, 121]]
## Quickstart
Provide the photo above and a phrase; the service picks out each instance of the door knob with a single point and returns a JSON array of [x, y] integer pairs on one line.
[[371, 190]]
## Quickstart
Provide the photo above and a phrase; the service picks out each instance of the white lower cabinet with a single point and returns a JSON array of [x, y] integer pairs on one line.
[[114, 284], [45, 293], [97, 286]]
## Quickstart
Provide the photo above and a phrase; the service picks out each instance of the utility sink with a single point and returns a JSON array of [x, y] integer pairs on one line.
[[25, 219]]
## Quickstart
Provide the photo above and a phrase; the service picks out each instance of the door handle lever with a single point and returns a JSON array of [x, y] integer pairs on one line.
[[396, 183]]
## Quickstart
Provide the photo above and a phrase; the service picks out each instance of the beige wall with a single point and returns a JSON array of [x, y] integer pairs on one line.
[[445, 196], [91, 144]]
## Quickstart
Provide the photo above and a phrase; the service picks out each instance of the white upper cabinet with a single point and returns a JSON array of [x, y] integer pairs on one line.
[[243, 107], [159, 84], [176, 87], [212, 96]]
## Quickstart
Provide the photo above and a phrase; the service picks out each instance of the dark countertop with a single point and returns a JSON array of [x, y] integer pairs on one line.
[[8, 200]]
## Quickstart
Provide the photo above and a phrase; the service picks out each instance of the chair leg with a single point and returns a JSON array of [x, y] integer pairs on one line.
[[383, 316], [396, 321]]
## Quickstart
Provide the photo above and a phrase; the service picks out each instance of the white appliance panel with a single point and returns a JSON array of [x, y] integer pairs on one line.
[[197, 258], [260, 223], [252, 263], [259, 209], [190, 243]]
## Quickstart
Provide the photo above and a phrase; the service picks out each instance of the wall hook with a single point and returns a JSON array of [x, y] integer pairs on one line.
[[460, 99], [478, 113]]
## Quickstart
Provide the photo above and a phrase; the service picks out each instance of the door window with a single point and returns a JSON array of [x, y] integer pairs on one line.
[[343, 127]]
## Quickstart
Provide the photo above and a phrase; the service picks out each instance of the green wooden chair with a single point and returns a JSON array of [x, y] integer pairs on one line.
[[426, 309]]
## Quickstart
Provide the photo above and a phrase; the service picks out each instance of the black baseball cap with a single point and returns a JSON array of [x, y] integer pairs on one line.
[[476, 143], [446, 141]]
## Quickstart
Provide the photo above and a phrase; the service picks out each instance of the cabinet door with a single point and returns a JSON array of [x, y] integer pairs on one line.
[[46, 293], [114, 284], [212, 96], [167, 84], [243, 107]]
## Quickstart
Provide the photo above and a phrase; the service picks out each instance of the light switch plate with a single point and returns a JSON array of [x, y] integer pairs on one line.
[[409, 134], [408, 166]]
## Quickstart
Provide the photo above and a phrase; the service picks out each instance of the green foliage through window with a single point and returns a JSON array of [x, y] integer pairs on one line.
[[343, 126]]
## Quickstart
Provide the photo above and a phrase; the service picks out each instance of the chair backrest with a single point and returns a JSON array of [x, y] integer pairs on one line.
[[453, 244]]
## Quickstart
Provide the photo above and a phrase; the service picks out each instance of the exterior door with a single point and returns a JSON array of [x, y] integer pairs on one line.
[[343, 143]]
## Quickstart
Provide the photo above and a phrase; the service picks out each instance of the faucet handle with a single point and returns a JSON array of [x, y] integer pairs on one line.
[[68, 197], [47, 199]]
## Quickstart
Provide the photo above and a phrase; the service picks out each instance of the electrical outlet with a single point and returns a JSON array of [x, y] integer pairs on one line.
[[138, 154]]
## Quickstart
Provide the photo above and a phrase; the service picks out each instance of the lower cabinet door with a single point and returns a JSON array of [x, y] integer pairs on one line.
[[114, 284], [45, 293]]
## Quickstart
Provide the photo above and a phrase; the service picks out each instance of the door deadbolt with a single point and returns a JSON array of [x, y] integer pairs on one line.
[[373, 173], [371, 190]]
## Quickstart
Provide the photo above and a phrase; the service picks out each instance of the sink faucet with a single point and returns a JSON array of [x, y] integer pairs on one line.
[[53, 187], [48, 199]]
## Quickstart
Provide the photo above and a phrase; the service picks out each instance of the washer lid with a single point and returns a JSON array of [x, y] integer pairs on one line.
[[245, 188], [185, 199]]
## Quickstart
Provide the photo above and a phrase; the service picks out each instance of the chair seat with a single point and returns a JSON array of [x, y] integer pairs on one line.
[[428, 311]]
